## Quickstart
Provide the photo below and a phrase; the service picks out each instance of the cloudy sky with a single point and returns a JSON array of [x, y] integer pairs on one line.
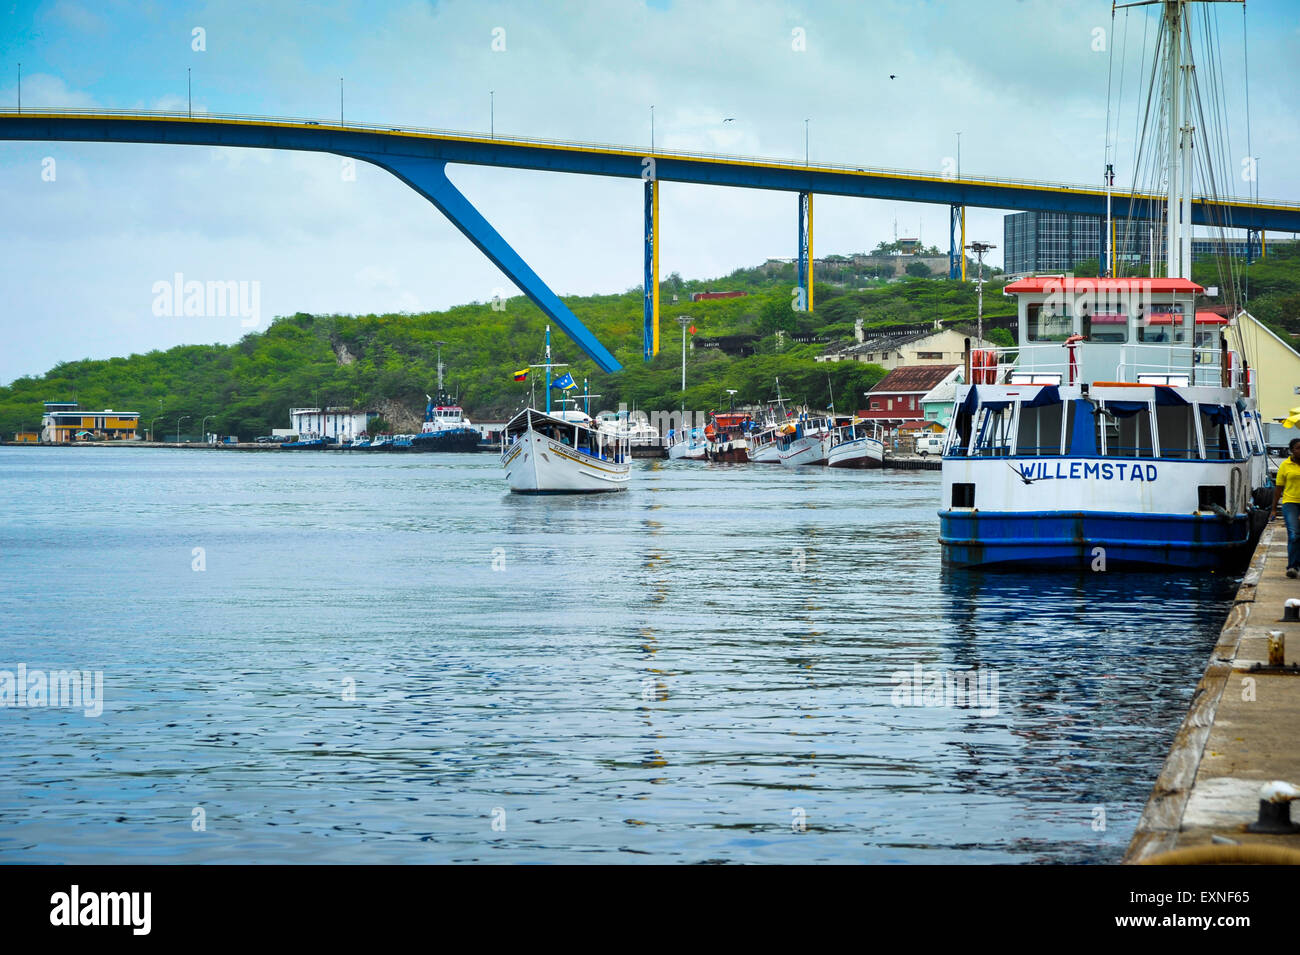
[[1023, 82]]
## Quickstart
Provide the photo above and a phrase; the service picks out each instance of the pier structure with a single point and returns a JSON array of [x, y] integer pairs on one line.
[[1240, 734]]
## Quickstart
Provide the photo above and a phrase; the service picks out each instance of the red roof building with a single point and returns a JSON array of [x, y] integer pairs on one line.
[[897, 397]]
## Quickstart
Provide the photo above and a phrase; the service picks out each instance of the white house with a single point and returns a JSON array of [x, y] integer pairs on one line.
[[330, 422], [904, 347]]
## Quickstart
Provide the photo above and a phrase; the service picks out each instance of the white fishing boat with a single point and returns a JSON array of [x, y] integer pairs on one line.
[[636, 425], [806, 440], [560, 453], [764, 447], [687, 444], [1121, 431], [856, 444], [563, 451]]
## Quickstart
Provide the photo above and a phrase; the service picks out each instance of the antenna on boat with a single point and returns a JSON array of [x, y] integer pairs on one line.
[[440, 344]]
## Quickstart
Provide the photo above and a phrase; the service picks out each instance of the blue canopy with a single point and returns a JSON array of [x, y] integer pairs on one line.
[[1047, 395], [1123, 409]]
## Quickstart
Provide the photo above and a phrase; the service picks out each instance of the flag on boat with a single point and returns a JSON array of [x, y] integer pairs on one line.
[[521, 375], [564, 382]]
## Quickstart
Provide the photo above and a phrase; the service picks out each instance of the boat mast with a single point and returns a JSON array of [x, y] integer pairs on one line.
[[548, 369], [1178, 207]]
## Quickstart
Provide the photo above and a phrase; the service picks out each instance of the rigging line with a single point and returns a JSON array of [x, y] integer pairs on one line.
[[1250, 151], [1110, 72], [1216, 218], [1123, 62], [1224, 129], [1147, 173]]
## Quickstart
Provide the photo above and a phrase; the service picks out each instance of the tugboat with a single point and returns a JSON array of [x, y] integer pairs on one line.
[[445, 428], [563, 452], [1109, 437]]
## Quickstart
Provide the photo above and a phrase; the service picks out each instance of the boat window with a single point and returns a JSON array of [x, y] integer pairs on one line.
[[1219, 429], [1109, 326], [1177, 431], [1163, 325], [1039, 431], [1128, 430], [1049, 323], [993, 432]]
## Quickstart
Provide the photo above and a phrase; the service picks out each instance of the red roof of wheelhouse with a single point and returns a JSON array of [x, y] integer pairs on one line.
[[1059, 283]]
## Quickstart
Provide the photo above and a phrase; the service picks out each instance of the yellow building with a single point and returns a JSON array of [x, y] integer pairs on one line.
[[26, 437], [64, 422], [1276, 364]]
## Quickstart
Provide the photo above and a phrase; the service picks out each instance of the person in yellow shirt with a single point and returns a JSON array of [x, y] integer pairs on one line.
[[1288, 495]]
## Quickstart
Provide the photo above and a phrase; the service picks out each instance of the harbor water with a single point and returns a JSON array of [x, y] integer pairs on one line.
[[334, 657]]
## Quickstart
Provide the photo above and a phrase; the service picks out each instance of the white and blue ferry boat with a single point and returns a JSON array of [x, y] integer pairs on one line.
[[1121, 431]]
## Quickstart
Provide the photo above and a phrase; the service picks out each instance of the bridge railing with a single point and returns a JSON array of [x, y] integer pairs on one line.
[[657, 153]]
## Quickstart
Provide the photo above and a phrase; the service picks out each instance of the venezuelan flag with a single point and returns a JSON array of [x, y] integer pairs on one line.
[[521, 375]]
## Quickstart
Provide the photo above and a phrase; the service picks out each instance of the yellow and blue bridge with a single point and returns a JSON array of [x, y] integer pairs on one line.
[[419, 158]]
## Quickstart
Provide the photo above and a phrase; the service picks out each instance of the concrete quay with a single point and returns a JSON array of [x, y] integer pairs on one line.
[[1241, 731]]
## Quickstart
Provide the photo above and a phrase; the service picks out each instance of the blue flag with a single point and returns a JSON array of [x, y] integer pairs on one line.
[[564, 382]]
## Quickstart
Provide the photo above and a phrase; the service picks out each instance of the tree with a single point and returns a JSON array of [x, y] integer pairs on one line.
[[919, 269]]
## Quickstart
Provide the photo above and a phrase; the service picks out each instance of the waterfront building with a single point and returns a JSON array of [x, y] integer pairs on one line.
[[896, 398], [334, 422], [65, 422], [1276, 364], [937, 403], [896, 348]]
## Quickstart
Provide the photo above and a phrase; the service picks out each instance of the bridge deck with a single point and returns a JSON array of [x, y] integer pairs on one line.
[[97, 125]]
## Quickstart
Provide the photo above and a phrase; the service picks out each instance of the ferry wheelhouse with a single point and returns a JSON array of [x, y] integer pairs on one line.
[[1121, 431]]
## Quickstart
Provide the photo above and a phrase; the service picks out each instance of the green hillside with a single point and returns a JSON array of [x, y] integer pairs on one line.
[[376, 360]]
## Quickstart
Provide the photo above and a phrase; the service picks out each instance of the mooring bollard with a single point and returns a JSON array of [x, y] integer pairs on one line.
[[1275, 808], [1276, 648], [1291, 610]]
